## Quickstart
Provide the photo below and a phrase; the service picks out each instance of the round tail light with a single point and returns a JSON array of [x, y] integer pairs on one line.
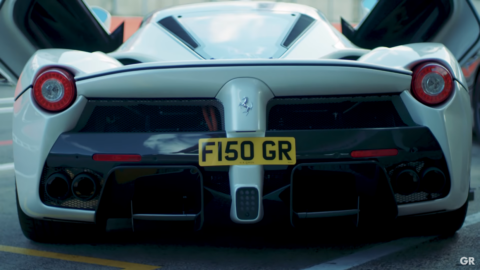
[[432, 83], [54, 90]]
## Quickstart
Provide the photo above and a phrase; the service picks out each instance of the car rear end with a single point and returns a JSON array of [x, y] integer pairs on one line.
[[244, 141]]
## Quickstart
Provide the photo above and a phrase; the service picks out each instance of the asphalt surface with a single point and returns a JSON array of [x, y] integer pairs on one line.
[[226, 248]]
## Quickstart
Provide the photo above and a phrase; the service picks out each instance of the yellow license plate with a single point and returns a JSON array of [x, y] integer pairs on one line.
[[247, 151]]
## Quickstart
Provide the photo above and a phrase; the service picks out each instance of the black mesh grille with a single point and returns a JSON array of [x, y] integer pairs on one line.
[[70, 201], [153, 116], [302, 114], [217, 180]]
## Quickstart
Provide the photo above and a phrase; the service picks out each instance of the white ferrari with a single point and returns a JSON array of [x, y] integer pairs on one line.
[[249, 112]]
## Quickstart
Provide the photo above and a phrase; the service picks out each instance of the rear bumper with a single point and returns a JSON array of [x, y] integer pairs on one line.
[[326, 150]]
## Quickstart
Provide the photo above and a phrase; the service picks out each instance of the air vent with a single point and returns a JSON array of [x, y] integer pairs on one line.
[[152, 115], [350, 57], [128, 61], [297, 114], [172, 25], [300, 26]]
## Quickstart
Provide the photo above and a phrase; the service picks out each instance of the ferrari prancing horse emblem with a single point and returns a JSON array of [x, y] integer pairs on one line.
[[245, 104]]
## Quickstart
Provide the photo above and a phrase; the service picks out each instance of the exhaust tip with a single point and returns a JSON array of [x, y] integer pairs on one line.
[[57, 186], [406, 182], [84, 187], [433, 180]]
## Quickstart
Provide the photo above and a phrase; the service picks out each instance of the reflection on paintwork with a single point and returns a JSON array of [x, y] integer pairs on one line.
[[24, 144], [83, 61], [31, 128], [239, 34], [17, 106], [85, 147], [430, 49], [173, 143], [471, 66], [411, 54]]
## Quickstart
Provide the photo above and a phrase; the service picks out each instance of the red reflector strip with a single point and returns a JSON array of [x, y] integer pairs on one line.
[[6, 142], [107, 157], [374, 153]]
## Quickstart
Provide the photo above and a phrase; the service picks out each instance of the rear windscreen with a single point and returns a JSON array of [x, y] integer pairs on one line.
[[237, 35]]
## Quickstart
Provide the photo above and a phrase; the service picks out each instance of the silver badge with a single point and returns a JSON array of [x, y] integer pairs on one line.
[[245, 104]]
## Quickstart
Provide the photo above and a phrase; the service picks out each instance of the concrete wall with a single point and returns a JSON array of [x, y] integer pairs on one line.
[[333, 9]]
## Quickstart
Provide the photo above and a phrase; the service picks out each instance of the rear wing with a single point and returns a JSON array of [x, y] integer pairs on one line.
[[380, 71]]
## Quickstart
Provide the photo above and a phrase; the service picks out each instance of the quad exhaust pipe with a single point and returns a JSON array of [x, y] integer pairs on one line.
[[84, 187], [59, 187], [433, 180], [407, 181]]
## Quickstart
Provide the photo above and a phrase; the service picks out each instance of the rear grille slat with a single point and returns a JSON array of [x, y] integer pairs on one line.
[[152, 116], [311, 114]]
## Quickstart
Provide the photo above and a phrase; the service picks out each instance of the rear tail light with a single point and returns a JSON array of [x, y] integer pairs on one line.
[[374, 153], [432, 83], [54, 90]]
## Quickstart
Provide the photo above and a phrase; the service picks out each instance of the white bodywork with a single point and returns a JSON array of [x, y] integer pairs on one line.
[[378, 71], [319, 40]]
